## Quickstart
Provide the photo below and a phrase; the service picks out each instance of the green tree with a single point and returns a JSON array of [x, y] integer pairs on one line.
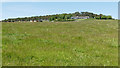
[[109, 17], [97, 17], [52, 18], [104, 17], [100, 16], [77, 14], [67, 16], [62, 16]]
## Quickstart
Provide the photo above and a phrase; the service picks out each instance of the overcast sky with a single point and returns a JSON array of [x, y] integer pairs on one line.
[[13, 8]]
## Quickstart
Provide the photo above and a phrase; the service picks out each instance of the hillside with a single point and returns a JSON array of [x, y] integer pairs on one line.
[[82, 43], [59, 17]]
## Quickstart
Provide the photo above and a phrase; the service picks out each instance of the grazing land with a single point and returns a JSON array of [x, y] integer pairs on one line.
[[80, 43]]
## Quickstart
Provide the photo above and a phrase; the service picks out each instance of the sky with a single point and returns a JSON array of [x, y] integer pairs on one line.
[[27, 9], [59, 0]]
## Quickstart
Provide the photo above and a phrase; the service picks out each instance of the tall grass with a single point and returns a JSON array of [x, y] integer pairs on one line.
[[83, 43]]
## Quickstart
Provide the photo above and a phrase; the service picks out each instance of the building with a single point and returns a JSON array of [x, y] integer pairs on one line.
[[80, 17], [31, 21], [40, 20], [36, 20]]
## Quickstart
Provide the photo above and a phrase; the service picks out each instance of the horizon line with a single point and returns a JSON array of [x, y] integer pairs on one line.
[[51, 14]]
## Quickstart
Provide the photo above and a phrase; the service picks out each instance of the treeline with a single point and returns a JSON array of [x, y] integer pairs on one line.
[[60, 17]]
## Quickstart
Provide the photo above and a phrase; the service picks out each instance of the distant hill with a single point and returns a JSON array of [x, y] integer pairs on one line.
[[59, 17]]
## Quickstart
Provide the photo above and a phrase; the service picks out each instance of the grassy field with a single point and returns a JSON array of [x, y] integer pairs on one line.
[[0, 53], [83, 43]]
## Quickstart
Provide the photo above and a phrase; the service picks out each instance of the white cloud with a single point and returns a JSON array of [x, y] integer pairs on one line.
[[60, 0]]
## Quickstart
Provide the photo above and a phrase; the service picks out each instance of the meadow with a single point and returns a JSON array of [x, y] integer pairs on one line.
[[79, 43]]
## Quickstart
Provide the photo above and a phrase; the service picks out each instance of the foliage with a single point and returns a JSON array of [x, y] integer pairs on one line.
[[103, 17], [59, 17], [109, 17]]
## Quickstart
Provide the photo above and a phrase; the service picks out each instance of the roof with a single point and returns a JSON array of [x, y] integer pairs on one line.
[[80, 16]]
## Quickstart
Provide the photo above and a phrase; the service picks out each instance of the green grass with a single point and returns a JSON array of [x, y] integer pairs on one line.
[[80, 19], [83, 43], [0, 45]]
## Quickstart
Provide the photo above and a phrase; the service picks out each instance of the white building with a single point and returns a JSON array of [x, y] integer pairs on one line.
[[80, 17]]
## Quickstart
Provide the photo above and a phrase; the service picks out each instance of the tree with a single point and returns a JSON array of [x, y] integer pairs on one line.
[[103, 17], [52, 18], [62, 16], [67, 16], [109, 17], [5, 20], [77, 14], [97, 17], [82, 13]]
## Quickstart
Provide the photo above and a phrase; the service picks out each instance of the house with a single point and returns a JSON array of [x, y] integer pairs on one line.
[[39, 20], [80, 17], [31, 21], [11, 21], [36, 20]]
